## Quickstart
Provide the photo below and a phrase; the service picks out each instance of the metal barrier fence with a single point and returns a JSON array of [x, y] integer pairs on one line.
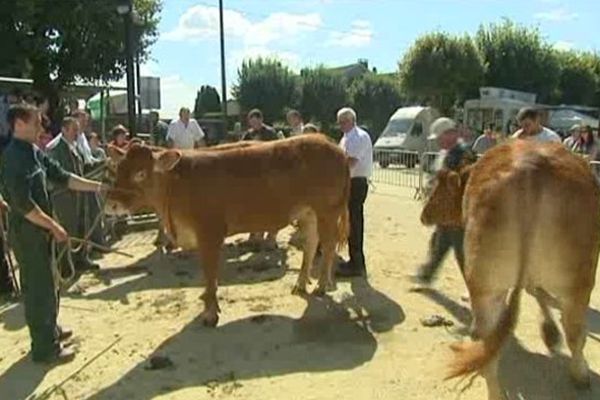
[[403, 168], [413, 170], [399, 168]]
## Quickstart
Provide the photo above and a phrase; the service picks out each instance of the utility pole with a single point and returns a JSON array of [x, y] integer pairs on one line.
[[138, 91], [125, 8], [223, 80]]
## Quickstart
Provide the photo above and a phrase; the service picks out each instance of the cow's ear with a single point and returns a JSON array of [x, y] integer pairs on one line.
[[114, 153], [167, 160]]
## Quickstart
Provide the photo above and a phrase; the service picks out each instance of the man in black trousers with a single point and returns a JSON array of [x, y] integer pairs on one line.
[[7, 285], [356, 142]]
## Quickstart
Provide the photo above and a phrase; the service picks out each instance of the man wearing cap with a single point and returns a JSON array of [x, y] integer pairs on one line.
[[454, 152]]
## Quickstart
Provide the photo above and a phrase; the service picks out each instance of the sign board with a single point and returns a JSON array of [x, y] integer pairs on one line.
[[150, 92]]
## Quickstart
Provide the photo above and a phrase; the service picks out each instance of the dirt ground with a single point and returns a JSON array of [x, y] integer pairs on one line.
[[364, 341]]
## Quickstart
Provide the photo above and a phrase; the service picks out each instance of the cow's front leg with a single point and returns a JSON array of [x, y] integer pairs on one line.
[[210, 251]]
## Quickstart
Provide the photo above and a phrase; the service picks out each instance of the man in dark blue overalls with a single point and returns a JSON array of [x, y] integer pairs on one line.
[[24, 175], [454, 152]]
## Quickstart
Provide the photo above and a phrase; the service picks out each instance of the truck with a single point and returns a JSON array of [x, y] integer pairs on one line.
[[405, 137]]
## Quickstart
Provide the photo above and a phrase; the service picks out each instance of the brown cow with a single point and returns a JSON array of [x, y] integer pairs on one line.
[[532, 221], [204, 196]]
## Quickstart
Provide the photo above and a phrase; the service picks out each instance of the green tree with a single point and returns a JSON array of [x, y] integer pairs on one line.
[[266, 84], [578, 81], [518, 58], [58, 42], [207, 100], [323, 93], [375, 98], [441, 70]]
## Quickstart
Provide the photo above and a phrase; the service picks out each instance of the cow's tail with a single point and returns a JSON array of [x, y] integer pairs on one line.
[[343, 223], [472, 357]]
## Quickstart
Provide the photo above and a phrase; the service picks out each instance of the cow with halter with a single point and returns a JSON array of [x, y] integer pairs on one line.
[[205, 196], [522, 232]]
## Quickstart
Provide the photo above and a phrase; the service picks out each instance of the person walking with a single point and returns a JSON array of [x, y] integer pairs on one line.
[[454, 152]]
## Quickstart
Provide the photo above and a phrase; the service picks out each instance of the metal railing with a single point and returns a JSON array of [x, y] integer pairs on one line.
[[403, 168], [411, 169]]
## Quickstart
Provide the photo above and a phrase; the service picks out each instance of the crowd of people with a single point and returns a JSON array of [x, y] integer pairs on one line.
[[580, 139]]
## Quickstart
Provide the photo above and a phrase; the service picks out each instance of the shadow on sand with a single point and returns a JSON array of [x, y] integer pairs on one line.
[[325, 338], [523, 374], [158, 271]]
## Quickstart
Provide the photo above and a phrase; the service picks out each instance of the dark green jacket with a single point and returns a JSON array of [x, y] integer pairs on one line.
[[68, 204], [24, 174]]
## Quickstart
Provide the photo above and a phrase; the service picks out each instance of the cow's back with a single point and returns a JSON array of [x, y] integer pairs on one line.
[[542, 191], [253, 185]]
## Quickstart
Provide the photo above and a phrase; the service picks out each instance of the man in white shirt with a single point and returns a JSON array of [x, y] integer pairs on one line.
[[532, 129], [185, 133], [294, 119], [359, 149]]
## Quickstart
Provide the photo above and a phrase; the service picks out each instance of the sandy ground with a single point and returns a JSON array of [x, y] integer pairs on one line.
[[364, 341]]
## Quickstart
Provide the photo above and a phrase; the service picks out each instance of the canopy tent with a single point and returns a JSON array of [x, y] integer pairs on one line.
[[115, 102], [563, 119]]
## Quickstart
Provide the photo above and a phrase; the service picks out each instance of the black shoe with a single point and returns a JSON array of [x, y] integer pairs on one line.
[[87, 265], [423, 276], [348, 270], [64, 333], [61, 356]]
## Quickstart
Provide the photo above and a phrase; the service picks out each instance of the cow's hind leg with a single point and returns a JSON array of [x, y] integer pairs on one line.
[[308, 227], [210, 251], [574, 324], [327, 228], [550, 332], [487, 308]]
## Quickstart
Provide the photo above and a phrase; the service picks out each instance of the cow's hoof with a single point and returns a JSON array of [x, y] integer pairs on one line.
[[581, 380], [582, 383], [580, 373], [551, 336], [210, 321]]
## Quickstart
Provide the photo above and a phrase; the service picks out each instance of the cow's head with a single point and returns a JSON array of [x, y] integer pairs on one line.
[[444, 205], [138, 171]]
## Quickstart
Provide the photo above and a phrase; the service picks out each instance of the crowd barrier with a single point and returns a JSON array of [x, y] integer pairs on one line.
[[413, 170]]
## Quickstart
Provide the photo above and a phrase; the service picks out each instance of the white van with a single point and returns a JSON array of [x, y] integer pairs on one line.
[[405, 137]]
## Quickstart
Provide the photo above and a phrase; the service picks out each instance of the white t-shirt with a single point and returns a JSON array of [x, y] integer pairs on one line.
[[184, 137], [297, 130], [545, 135], [357, 144]]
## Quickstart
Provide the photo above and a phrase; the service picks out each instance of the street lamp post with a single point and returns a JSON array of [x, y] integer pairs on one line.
[[223, 82], [125, 8]]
